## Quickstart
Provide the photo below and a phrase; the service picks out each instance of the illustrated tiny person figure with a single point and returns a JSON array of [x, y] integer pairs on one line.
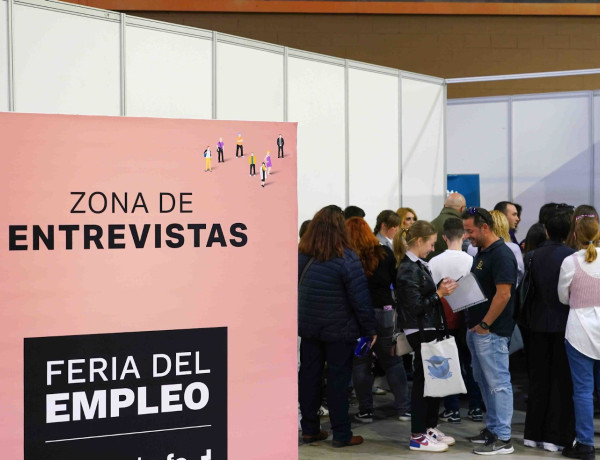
[[220, 145], [280, 143], [252, 162], [268, 162], [239, 145], [207, 157], [263, 174]]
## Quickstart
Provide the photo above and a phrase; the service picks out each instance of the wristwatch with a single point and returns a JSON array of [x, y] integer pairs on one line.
[[484, 325]]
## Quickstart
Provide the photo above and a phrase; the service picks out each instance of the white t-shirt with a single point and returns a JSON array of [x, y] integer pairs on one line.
[[450, 263], [583, 324]]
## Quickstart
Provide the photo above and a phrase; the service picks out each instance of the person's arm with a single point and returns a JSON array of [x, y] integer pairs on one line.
[[567, 270], [408, 291], [497, 306], [359, 298]]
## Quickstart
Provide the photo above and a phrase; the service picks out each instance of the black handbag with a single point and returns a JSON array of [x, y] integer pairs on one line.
[[524, 298]]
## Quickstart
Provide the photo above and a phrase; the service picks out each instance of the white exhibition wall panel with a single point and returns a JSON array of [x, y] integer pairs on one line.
[[249, 83], [596, 150], [423, 162], [65, 63], [552, 155], [374, 172], [3, 56], [478, 143], [316, 102], [168, 74]]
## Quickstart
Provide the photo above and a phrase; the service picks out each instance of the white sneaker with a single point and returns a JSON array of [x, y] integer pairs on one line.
[[426, 443], [530, 443], [551, 447], [441, 437]]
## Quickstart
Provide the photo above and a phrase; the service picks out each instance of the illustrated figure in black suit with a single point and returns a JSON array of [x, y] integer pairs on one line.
[[280, 143]]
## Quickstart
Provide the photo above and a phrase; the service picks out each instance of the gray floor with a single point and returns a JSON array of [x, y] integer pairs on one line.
[[387, 438]]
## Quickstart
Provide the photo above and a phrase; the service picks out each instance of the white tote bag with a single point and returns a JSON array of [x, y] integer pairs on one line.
[[441, 367]]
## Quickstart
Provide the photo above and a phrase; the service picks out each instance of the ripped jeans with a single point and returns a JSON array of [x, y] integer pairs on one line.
[[489, 354]]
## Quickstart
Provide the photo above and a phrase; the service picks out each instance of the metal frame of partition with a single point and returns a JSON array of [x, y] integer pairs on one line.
[[216, 38], [529, 97]]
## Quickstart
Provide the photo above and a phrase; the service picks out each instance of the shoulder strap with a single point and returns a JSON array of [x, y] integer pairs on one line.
[[308, 264]]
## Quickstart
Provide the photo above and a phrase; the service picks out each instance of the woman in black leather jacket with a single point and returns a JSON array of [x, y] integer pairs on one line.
[[420, 313]]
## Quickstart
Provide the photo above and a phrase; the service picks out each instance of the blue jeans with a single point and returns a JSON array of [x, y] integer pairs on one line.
[[584, 370], [475, 402], [489, 359]]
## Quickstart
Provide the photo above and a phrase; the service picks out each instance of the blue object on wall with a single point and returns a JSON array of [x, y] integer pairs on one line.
[[467, 185]]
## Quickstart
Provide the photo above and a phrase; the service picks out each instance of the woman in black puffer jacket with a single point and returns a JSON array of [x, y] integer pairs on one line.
[[420, 311], [334, 310]]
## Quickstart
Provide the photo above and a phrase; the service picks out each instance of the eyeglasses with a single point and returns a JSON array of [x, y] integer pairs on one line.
[[592, 216]]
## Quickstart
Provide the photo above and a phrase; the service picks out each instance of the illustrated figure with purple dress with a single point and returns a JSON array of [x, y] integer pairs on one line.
[[268, 162], [220, 146]]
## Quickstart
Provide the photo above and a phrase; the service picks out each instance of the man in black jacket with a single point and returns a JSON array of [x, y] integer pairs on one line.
[[550, 416]]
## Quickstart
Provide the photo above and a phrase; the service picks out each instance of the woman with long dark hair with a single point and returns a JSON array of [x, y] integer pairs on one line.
[[334, 310], [379, 264], [421, 312]]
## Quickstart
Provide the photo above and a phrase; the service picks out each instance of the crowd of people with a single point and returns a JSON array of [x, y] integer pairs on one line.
[[391, 281]]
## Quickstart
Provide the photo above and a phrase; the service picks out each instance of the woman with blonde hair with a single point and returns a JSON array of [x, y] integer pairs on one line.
[[579, 286], [379, 264], [407, 217], [421, 313], [584, 210]]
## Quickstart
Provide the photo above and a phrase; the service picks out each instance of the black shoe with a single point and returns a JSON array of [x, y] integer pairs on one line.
[[452, 416], [484, 436], [475, 414], [364, 417], [578, 450]]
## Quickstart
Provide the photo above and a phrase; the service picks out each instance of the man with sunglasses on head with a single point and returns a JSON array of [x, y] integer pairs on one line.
[[490, 326]]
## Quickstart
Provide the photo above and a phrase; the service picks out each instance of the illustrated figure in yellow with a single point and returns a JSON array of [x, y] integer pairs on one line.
[[239, 145], [252, 162], [207, 157]]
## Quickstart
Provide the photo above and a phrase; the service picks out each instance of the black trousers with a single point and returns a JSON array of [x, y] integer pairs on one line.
[[280, 150], [220, 153], [253, 169], [550, 413], [239, 148], [424, 410], [313, 355]]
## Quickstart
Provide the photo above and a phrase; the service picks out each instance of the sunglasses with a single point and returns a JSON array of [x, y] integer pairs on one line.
[[474, 210]]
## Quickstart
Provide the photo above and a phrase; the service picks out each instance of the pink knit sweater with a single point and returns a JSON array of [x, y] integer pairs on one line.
[[585, 289]]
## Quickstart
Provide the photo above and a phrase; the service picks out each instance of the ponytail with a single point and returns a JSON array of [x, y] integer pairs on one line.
[[387, 217], [406, 237], [587, 234], [590, 252]]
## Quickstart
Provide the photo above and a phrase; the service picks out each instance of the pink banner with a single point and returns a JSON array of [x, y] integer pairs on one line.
[[148, 297]]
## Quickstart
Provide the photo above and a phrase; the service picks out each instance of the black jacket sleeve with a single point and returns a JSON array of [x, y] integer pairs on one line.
[[358, 294]]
